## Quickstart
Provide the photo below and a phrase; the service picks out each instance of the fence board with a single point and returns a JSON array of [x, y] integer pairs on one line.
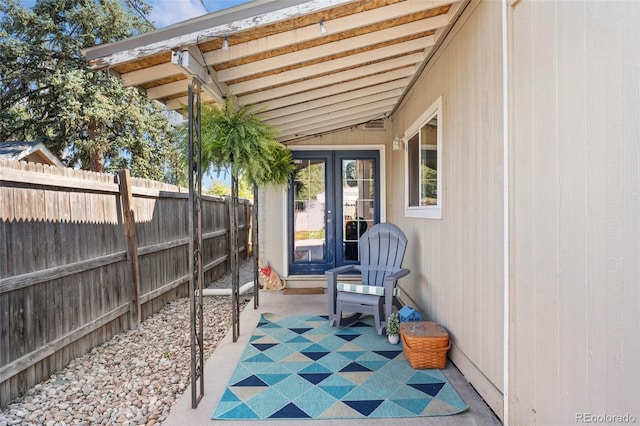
[[26, 280], [6, 243], [44, 351], [4, 329], [64, 280], [34, 178]]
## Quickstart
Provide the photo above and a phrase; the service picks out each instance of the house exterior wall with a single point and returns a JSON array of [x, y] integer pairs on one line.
[[457, 262], [575, 198]]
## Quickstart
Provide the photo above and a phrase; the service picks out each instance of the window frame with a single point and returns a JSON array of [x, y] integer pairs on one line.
[[425, 212]]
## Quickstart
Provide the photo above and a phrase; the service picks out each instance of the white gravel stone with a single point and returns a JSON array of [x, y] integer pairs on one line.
[[134, 378]]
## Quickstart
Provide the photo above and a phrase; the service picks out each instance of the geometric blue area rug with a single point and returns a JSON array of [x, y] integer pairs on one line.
[[298, 367]]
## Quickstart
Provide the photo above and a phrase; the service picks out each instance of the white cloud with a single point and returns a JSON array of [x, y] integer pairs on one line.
[[168, 12]]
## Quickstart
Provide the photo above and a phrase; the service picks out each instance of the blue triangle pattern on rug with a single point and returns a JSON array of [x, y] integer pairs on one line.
[[289, 411], [298, 367], [354, 366], [250, 381], [263, 346]]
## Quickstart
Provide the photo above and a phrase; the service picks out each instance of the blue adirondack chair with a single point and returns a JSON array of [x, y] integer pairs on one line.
[[382, 250]]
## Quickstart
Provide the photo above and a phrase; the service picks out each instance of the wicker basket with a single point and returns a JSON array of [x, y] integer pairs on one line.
[[425, 344]]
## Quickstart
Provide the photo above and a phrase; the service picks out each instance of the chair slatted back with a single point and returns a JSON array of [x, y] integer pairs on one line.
[[382, 250]]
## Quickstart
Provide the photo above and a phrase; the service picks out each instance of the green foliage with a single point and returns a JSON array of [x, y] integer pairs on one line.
[[350, 174], [218, 189], [393, 324], [245, 189], [236, 138], [309, 181], [221, 189], [48, 92], [429, 186]]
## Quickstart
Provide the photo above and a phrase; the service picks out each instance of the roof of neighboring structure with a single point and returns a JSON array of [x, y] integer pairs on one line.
[[312, 66], [34, 152]]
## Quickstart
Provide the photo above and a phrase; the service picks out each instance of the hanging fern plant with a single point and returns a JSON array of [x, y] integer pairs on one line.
[[235, 137]]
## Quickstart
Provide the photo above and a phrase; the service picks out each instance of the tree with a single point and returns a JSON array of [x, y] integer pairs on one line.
[[48, 92], [220, 189], [309, 181]]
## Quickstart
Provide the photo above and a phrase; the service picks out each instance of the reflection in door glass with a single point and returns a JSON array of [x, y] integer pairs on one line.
[[309, 211], [358, 203]]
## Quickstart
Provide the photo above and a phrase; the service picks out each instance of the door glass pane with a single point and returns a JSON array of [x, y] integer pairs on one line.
[[358, 203], [309, 211]]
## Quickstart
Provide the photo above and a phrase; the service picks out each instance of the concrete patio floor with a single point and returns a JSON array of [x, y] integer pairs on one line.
[[219, 367]]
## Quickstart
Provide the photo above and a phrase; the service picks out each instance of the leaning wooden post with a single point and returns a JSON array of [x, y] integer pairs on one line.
[[124, 180]]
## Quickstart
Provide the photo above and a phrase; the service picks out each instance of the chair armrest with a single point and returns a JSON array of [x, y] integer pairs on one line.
[[398, 274], [391, 279], [332, 274], [341, 269]]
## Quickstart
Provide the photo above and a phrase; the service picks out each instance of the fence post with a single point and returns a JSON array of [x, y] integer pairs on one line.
[[124, 179]]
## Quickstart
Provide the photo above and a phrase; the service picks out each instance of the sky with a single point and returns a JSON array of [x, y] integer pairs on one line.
[[167, 12]]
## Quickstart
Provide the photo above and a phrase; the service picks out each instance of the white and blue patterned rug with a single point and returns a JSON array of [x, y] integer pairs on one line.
[[299, 367]]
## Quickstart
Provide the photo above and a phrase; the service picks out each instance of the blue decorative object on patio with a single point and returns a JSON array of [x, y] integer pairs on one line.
[[298, 367], [408, 314]]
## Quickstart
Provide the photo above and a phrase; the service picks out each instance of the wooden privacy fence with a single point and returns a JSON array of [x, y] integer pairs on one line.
[[76, 268]]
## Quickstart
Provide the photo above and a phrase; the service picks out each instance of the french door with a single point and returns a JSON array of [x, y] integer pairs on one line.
[[333, 199]]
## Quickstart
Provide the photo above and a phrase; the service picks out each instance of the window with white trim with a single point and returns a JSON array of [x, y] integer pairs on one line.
[[423, 165]]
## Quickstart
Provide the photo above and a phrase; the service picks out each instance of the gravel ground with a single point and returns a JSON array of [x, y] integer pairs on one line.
[[134, 378]]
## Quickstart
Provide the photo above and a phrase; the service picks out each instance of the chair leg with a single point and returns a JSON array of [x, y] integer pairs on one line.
[[333, 318], [337, 318], [378, 315], [341, 321], [331, 294], [389, 302], [397, 303], [376, 318]]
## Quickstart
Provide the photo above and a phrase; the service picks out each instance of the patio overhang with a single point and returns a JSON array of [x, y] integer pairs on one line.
[[310, 66]]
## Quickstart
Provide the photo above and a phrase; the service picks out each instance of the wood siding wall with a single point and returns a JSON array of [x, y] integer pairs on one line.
[[575, 148], [65, 280], [457, 262]]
